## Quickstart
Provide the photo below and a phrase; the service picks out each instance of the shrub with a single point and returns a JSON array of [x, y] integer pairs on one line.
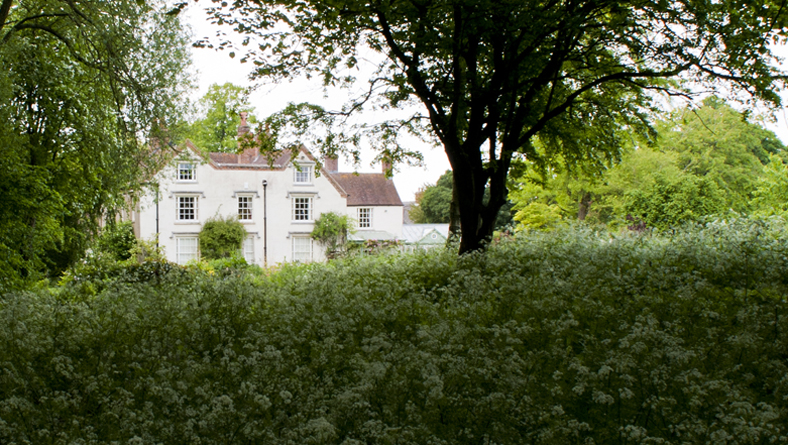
[[221, 237], [117, 240], [550, 338], [331, 231]]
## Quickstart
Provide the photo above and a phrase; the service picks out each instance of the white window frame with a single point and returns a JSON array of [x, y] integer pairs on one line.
[[364, 221], [246, 210], [193, 253], [247, 249], [179, 208], [297, 248], [183, 168], [296, 212], [304, 176]]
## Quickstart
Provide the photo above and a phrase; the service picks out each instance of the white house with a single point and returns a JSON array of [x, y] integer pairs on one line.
[[277, 203]]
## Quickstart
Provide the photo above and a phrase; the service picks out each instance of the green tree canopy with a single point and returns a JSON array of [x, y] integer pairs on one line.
[[433, 202], [771, 194], [493, 77], [671, 202], [719, 142], [82, 82], [714, 142], [216, 129]]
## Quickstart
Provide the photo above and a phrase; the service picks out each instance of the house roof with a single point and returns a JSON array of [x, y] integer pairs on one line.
[[251, 158], [414, 233], [360, 189], [371, 189], [363, 235]]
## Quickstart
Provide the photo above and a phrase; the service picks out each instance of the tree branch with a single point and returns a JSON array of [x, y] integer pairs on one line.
[[437, 116], [54, 33], [622, 76]]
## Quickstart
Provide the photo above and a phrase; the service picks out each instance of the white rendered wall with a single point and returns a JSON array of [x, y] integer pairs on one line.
[[384, 218]]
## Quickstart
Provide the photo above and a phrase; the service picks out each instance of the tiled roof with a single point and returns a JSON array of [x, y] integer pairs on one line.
[[367, 189], [250, 158]]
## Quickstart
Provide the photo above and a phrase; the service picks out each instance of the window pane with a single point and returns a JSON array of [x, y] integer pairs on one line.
[[248, 250], [302, 248], [305, 175], [245, 208], [302, 209], [187, 208], [186, 249], [365, 218], [185, 171]]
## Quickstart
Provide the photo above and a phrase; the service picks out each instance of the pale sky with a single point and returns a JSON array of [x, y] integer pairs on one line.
[[217, 67]]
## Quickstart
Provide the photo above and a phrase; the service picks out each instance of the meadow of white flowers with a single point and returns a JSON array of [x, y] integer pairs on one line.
[[569, 337]]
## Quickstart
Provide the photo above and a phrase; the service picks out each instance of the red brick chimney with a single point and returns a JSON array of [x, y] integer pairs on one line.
[[244, 127], [387, 168], [331, 164]]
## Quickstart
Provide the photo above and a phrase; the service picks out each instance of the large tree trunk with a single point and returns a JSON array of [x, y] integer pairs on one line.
[[584, 206], [454, 212], [477, 219]]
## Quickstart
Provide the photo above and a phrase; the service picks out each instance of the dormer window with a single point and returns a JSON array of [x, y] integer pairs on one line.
[[303, 176], [186, 171]]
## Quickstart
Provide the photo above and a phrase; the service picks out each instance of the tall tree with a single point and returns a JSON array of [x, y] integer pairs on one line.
[[82, 83], [494, 76], [433, 203], [216, 129], [720, 143], [714, 142], [771, 194]]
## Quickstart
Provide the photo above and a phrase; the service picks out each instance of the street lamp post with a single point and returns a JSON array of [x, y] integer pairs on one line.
[[265, 224]]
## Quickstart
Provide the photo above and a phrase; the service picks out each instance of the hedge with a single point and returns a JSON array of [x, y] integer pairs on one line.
[[572, 337]]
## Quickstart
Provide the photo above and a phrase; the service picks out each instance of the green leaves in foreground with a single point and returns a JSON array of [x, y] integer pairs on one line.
[[572, 337]]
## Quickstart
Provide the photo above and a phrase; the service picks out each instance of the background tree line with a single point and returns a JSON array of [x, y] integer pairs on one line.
[[710, 160], [706, 161], [83, 85]]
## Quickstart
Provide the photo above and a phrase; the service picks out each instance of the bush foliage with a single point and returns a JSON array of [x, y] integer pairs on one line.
[[331, 231], [221, 237], [117, 241], [553, 338]]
